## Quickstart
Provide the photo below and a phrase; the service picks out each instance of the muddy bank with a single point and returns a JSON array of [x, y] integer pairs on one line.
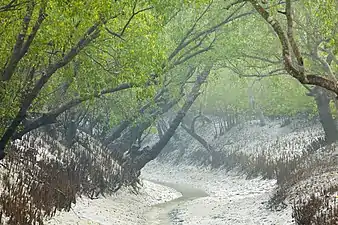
[[165, 213], [122, 208], [231, 199]]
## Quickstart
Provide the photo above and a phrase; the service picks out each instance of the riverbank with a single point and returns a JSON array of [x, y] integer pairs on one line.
[[183, 195], [123, 208], [162, 214], [232, 199]]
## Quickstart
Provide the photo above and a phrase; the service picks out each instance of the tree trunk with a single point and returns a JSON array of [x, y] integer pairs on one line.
[[70, 130], [261, 117], [222, 128], [129, 137], [203, 142], [325, 116], [257, 110], [151, 153], [161, 128]]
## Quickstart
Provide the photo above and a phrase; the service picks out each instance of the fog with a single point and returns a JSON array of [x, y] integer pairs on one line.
[[168, 112]]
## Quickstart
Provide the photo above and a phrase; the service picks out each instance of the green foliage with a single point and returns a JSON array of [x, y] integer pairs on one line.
[[127, 50], [326, 15], [130, 47], [227, 92], [283, 95], [278, 95]]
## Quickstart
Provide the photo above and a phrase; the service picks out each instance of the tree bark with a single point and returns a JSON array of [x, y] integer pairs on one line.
[[149, 154], [325, 115]]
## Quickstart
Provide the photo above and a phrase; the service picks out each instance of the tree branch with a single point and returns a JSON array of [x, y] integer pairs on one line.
[[120, 35], [185, 41], [234, 3], [297, 73], [261, 58], [324, 63], [150, 154], [180, 61], [90, 35], [132, 16], [283, 39], [17, 49], [292, 41], [11, 6], [178, 48], [51, 116], [277, 72], [35, 28]]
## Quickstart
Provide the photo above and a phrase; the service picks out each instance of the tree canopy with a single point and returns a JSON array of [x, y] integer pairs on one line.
[[111, 61]]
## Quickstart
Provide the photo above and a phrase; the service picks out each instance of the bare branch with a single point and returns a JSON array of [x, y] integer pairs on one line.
[[100, 64], [330, 54], [199, 43], [178, 48], [293, 71], [114, 34], [180, 61], [234, 3], [50, 117], [134, 13], [324, 63], [277, 72], [185, 41], [262, 58], [11, 6], [292, 41], [17, 50], [132, 16]]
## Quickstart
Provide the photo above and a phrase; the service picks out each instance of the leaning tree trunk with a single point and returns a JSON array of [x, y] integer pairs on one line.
[[160, 128], [161, 100], [133, 133], [325, 115], [151, 153], [202, 141]]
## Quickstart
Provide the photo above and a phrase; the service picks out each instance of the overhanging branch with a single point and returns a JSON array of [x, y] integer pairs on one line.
[[296, 72], [51, 116]]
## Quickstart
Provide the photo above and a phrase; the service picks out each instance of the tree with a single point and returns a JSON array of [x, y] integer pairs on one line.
[[293, 59], [48, 63], [188, 49], [149, 154], [291, 54]]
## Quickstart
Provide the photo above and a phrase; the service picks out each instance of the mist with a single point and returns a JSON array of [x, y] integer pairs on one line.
[[168, 112]]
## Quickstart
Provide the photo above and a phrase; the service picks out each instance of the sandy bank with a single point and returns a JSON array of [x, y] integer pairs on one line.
[[123, 208], [232, 199]]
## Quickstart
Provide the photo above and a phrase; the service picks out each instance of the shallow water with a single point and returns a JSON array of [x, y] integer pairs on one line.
[[160, 213]]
